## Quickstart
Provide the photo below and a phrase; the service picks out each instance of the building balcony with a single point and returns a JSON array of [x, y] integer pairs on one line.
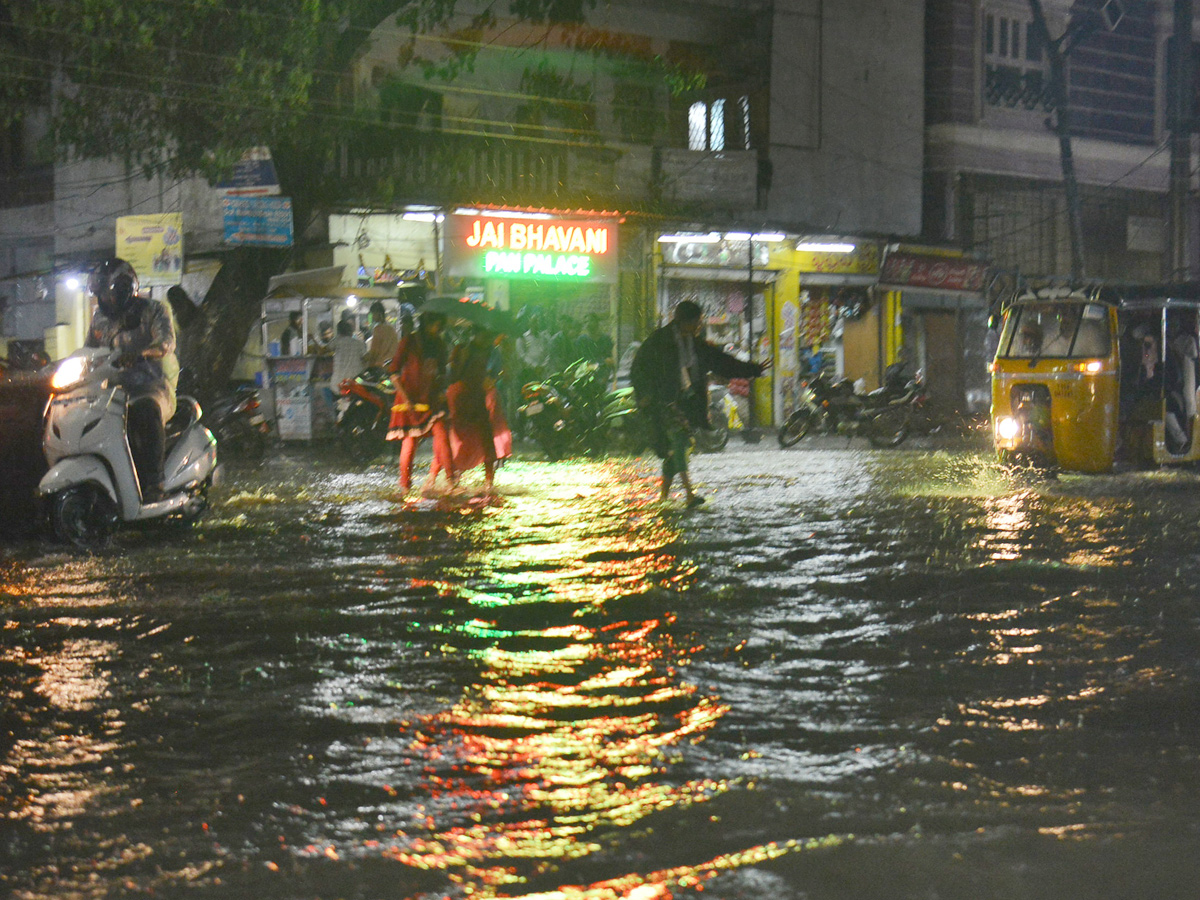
[[449, 170]]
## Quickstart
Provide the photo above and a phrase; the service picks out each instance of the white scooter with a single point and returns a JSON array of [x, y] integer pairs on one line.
[[92, 485]]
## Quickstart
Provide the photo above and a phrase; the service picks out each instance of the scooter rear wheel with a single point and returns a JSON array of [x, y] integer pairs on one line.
[[889, 427], [240, 440], [84, 516], [360, 436]]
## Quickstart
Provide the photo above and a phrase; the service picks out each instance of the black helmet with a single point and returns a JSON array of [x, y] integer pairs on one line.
[[113, 283]]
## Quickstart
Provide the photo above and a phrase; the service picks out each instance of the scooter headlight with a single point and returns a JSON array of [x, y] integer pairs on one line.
[[1007, 428], [69, 373]]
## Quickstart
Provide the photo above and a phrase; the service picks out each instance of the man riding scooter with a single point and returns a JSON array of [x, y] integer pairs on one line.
[[143, 333]]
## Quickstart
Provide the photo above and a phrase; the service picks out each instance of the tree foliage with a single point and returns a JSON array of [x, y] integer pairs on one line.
[[185, 87]]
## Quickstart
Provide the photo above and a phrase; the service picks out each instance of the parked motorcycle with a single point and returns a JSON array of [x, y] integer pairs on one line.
[[574, 411], [883, 416], [237, 421], [92, 486], [364, 413]]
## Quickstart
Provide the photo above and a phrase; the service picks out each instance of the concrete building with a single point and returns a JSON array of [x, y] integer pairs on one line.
[[994, 177]]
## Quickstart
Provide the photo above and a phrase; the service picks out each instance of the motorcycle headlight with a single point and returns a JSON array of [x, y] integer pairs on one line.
[[1007, 428], [69, 373]]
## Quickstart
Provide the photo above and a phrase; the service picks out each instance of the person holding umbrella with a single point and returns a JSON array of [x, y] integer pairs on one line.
[[419, 375], [478, 431]]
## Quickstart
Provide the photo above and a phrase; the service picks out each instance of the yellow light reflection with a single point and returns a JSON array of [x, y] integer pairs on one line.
[[55, 769]]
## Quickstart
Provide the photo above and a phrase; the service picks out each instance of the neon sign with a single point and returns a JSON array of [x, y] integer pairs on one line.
[[534, 248]]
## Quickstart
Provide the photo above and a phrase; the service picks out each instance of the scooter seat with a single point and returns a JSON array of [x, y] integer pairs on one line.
[[187, 411]]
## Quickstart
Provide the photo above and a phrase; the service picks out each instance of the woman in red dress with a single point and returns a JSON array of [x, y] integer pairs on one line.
[[419, 375]]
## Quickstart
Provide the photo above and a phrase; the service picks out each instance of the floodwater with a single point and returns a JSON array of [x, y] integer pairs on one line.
[[852, 674]]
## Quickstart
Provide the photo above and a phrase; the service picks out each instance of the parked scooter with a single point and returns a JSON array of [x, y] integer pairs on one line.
[[883, 416], [364, 412], [92, 485], [237, 421], [723, 417]]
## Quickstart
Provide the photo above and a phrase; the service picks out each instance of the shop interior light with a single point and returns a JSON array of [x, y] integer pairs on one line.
[[422, 217], [825, 247], [501, 213], [72, 283], [758, 237], [690, 238], [352, 301]]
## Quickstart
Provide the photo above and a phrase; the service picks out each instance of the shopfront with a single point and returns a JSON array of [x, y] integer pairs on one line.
[[944, 311], [733, 276], [563, 267], [829, 316]]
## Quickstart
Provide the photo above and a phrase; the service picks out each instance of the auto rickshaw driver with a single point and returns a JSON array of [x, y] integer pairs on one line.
[[1030, 339], [1064, 323]]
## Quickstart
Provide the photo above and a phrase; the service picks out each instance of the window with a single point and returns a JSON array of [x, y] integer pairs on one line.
[[1013, 57], [719, 124], [1062, 330]]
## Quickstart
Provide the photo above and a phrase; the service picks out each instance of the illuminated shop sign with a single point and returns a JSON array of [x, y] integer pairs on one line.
[[511, 246]]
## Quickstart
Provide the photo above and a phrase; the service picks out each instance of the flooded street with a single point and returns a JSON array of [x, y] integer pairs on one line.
[[852, 674]]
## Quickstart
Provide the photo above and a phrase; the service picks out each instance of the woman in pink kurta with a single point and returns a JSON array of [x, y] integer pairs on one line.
[[419, 374], [478, 431]]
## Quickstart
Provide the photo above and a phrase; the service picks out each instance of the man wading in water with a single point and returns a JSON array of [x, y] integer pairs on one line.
[[670, 378]]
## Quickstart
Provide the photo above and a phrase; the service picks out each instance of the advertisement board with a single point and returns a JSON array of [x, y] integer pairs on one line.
[[153, 245], [253, 175], [531, 248]]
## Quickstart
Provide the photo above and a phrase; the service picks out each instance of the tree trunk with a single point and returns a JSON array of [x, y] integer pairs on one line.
[[210, 346]]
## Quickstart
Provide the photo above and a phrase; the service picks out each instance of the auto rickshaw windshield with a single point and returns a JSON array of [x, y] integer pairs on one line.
[[1062, 330]]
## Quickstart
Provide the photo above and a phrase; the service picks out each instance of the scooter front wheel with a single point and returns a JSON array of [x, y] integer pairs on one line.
[[84, 516], [797, 426]]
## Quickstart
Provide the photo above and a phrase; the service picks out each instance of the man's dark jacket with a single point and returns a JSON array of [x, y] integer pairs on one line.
[[656, 378]]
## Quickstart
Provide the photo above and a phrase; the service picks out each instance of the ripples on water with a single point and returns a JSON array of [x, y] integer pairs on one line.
[[852, 675]]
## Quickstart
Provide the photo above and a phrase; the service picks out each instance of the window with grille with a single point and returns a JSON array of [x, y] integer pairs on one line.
[[719, 124], [1014, 61]]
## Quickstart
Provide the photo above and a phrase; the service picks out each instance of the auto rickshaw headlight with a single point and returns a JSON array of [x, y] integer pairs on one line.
[[1007, 428], [1091, 367]]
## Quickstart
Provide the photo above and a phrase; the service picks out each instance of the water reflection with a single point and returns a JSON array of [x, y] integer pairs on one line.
[[569, 742]]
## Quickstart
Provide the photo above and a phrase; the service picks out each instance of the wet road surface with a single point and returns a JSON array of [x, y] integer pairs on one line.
[[852, 674]]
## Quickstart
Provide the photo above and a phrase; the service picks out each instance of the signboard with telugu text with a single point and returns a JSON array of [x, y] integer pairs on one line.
[[258, 221], [531, 248]]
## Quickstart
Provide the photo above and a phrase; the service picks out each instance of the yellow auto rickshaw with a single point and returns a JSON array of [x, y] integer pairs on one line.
[[1084, 379]]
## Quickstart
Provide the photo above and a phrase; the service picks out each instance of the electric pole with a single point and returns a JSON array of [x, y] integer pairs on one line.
[[1056, 53], [1180, 77]]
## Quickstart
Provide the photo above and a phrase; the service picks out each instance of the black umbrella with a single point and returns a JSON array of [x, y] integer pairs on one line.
[[471, 311]]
